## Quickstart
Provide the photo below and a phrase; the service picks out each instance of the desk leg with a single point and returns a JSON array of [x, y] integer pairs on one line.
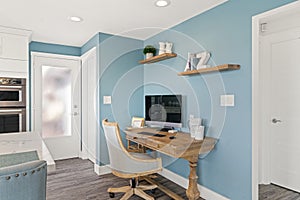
[[192, 192]]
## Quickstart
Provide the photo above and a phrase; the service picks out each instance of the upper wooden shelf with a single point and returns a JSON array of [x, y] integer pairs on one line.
[[158, 58], [225, 67]]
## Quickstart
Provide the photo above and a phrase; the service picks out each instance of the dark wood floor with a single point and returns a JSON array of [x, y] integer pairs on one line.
[[74, 179], [274, 192]]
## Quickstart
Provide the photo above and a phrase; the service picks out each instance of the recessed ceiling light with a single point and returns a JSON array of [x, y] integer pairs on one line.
[[162, 3], [75, 19]]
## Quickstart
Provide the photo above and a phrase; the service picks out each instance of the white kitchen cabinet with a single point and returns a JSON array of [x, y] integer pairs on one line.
[[14, 52], [13, 46]]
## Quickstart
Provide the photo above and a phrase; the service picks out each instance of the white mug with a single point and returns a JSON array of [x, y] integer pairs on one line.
[[199, 133], [193, 124]]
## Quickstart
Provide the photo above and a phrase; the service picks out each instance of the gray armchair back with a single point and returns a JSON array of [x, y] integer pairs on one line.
[[26, 181]]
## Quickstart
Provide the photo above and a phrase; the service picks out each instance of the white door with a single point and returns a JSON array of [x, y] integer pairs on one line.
[[89, 105], [284, 119], [56, 103]]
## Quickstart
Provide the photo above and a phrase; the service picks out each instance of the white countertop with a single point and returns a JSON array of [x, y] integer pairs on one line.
[[26, 141]]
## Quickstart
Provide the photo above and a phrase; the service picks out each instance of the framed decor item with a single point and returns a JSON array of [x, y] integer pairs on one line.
[[137, 122]]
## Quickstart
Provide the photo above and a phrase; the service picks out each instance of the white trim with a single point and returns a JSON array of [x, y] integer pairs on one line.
[[256, 118], [82, 155], [255, 103], [52, 55], [102, 170], [88, 53], [205, 193]]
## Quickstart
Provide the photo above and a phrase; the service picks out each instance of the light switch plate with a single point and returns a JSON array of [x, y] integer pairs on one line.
[[106, 99], [227, 100]]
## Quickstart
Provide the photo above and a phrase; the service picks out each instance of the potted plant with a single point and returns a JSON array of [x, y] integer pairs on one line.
[[149, 51]]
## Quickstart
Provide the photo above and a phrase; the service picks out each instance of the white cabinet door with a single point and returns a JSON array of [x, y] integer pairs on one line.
[[13, 46]]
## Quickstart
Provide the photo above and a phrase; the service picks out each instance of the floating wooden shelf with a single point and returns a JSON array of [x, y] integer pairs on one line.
[[225, 67], [158, 58]]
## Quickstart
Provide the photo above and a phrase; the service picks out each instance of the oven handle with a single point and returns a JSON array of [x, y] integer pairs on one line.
[[10, 87], [10, 111]]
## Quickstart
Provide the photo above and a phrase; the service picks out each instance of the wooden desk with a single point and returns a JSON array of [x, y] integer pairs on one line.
[[182, 146]]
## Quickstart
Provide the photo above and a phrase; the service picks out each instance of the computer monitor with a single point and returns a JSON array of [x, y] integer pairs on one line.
[[163, 111]]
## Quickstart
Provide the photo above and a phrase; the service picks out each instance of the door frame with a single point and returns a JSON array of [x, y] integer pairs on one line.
[[257, 79], [49, 55]]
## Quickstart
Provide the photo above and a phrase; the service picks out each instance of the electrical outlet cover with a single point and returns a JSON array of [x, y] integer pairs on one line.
[[106, 99], [227, 100]]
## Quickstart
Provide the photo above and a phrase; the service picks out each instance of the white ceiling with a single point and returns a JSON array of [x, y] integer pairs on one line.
[[48, 19]]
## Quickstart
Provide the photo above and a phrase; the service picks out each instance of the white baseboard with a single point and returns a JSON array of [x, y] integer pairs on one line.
[[101, 170], [82, 155], [205, 193]]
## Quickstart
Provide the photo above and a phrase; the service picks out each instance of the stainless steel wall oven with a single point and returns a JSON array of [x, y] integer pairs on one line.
[[12, 105]]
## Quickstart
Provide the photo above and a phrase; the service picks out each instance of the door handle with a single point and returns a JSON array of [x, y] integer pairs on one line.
[[274, 121]]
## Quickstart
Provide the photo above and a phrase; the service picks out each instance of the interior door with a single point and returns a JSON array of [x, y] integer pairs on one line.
[[57, 105], [285, 109], [89, 105]]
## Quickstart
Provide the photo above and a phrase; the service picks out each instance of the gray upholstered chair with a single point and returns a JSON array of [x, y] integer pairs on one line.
[[26, 181], [129, 165]]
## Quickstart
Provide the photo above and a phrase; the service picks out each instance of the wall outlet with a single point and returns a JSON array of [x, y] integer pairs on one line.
[[227, 100], [106, 99]]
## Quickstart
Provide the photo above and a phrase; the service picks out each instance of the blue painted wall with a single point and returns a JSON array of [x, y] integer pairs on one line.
[[122, 78], [225, 31], [54, 48]]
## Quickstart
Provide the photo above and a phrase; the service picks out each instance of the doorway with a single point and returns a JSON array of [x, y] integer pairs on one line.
[[56, 103], [272, 76]]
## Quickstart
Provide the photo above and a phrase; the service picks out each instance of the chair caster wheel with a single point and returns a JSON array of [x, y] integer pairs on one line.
[[111, 195]]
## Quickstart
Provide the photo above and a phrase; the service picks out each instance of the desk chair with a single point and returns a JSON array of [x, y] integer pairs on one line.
[[130, 165], [26, 181]]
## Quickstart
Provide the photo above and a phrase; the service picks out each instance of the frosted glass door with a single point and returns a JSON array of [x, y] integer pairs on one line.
[[56, 101]]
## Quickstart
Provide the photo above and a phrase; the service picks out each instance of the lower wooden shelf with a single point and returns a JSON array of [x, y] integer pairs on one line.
[[225, 67]]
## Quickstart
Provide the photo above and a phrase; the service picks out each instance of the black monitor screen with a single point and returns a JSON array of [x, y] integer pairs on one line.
[[163, 108]]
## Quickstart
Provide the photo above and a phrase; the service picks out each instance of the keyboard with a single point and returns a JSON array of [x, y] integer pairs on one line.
[[152, 134]]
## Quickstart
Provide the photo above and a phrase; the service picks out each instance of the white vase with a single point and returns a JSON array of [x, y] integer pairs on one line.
[[162, 48], [149, 55]]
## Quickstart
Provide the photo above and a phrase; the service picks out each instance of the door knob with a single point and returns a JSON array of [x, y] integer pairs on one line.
[[274, 121], [75, 113]]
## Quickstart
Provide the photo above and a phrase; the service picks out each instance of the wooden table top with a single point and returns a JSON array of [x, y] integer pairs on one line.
[[182, 146]]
